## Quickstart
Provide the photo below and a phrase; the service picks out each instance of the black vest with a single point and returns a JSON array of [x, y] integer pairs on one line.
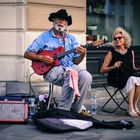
[[118, 77]]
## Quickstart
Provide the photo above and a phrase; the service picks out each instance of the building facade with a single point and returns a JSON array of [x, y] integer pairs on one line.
[[21, 22]]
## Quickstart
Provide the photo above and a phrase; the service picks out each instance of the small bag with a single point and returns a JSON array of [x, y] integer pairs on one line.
[[13, 111]]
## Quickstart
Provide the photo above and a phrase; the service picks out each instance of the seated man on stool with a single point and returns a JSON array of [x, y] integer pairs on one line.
[[74, 80]]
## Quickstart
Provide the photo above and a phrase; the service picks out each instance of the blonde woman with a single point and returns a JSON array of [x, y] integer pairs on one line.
[[119, 64]]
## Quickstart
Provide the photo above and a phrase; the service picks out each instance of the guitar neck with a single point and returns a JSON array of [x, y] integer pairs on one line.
[[57, 56]]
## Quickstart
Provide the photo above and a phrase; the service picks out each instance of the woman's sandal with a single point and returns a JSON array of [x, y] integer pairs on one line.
[[137, 111], [133, 113]]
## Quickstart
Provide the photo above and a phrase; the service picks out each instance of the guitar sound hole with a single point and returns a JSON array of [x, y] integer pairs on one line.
[[43, 65]]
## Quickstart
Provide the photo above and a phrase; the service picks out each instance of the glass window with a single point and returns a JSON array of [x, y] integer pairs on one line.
[[103, 16]]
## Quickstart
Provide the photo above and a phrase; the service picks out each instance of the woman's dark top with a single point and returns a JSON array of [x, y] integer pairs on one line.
[[118, 77]]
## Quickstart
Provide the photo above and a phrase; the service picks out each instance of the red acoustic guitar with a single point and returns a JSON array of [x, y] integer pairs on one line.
[[41, 68]]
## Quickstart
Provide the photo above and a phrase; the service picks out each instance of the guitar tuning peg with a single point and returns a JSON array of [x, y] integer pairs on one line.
[[105, 38], [99, 46]]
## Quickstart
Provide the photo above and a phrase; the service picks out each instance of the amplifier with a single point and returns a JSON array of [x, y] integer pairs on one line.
[[13, 111]]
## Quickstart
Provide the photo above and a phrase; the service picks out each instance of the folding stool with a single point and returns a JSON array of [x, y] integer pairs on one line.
[[112, 98]]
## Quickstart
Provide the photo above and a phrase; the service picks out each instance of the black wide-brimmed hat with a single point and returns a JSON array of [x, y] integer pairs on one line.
[[61, 14]]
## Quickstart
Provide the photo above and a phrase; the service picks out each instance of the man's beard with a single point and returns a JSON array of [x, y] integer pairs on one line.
[[60, 28]]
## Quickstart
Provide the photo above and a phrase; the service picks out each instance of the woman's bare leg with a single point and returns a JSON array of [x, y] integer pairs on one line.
[[136, 99], [131, 95]]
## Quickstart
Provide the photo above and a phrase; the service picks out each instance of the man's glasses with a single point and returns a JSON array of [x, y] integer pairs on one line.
[[117, 38]]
